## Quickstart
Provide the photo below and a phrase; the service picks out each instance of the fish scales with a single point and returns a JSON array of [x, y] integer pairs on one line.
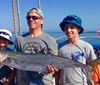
[[38, 62]]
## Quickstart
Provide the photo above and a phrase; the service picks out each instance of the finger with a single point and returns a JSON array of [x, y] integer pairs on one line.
[[48, 68], [56, 69]]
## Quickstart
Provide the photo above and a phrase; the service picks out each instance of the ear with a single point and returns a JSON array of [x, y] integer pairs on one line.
[[42, 21], [79, 29]]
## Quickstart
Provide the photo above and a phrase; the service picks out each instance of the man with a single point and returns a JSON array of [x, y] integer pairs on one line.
[[75, 49], [36, 41], [6, 73]]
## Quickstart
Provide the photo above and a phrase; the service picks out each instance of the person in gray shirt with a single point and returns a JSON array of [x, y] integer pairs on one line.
[[35, 41], [75, 49]]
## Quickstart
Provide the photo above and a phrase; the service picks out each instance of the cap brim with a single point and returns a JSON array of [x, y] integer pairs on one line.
[[63, 23], [10, 42]]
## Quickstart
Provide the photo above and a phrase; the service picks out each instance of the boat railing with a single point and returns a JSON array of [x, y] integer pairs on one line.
[[58, 38], [96, 46]]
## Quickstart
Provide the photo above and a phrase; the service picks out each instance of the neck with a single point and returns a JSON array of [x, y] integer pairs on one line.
[[74, 40], [36, 33]]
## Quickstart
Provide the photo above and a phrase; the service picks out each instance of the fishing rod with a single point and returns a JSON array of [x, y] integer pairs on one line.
[[39, 5], [18, 13], [14, 18]]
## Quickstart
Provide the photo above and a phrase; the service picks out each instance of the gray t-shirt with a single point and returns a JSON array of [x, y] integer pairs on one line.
[[41, 44], [81, 52]]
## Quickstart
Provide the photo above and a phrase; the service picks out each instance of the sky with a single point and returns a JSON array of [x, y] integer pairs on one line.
[[54, 11]]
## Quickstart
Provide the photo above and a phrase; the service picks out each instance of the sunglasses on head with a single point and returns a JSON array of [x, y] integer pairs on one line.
[[33, 17], [4, 33]]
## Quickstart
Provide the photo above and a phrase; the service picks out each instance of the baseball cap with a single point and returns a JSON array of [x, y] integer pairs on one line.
[[4, 33], [39, 11], [74, 20]]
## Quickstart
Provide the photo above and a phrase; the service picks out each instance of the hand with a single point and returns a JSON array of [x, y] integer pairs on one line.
[[2, 57], [51, 68]]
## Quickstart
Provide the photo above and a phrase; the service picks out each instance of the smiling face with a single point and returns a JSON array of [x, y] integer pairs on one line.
[[34, 20], [3, 43], [71, 30]]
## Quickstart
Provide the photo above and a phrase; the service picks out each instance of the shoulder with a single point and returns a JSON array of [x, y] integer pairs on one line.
[[47, 38], [22, 36], [46, 35], [85, 44], [60, 45], [51, 43]]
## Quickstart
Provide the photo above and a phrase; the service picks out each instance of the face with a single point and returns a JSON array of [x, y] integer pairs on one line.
[[71, 30], [34, 20], [3, 43]]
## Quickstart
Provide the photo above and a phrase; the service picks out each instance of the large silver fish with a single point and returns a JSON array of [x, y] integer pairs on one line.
[[39, 62]]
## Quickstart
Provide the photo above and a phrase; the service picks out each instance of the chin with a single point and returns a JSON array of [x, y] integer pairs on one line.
[[32, 27], [70, 37]]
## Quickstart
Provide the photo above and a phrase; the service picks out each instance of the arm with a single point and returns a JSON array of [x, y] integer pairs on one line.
[[56, 72], [2, 57], [57, 77], [96, 74]]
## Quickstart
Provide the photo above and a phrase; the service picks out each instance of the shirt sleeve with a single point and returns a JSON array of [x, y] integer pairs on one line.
[[92, 55], [17, 45]]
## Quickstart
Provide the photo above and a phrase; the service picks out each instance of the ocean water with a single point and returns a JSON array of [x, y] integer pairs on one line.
[[95, 41], [91, 38]]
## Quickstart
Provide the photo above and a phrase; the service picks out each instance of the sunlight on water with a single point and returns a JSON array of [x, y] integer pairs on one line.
[[94, 41]]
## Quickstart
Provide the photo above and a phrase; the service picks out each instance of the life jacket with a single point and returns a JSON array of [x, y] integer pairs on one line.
[[96, 74]]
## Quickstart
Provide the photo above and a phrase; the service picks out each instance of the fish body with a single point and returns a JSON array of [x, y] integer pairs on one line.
[[39, 62]]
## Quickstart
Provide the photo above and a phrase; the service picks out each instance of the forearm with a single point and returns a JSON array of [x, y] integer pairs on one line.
[[57, 77]]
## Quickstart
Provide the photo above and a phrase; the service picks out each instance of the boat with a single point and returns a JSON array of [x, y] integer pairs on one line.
[[98, 31]]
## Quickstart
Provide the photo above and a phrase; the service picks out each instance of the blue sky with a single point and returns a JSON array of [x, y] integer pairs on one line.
[[54, 12]]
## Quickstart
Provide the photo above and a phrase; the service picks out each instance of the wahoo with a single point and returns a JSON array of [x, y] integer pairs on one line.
[[39, 62]]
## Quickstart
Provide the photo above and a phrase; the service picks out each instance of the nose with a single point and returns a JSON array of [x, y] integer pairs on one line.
[[30, 18], [68, 29]]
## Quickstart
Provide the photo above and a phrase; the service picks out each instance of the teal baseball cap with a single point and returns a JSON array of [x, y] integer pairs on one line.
[[74, 20]]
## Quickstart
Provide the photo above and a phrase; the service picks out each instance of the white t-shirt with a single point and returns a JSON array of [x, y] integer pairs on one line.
[[81, 52]]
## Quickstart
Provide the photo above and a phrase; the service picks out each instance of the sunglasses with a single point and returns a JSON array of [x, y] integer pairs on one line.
[[33, 17]]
